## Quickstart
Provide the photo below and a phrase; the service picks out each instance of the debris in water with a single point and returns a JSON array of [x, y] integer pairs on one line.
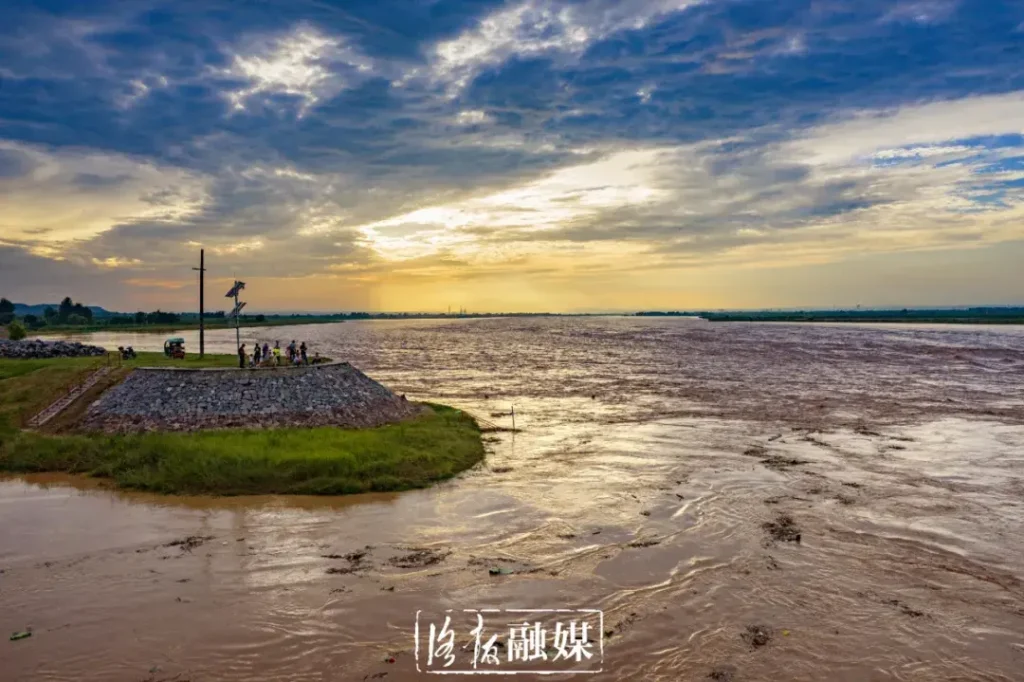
[[345, 571], [420, 558], [721, 674], [757, 635], [780, 463], [189, 543], [783, 528], [622, 624], [904, 609], [645, 513], [755, 451], [779, 498], [647, 542], [500, 570], [20, 635], [501, 470]]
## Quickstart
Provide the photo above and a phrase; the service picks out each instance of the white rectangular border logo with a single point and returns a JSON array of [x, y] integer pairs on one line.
[[600, 639]]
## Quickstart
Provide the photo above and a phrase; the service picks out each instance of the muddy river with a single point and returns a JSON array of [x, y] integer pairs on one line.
[[741, 501]]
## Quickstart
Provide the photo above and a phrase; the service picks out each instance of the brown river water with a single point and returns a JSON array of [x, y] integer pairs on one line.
[[650, 456]]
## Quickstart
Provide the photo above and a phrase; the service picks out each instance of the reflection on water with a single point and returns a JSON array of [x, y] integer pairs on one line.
[[652, 453]]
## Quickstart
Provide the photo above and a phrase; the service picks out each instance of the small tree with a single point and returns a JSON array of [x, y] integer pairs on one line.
[[6, 306], [65, 310], [32, 322], [16, 331], [77, 319]]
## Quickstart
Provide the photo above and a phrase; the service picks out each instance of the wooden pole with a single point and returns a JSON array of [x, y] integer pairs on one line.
[[202, 330]]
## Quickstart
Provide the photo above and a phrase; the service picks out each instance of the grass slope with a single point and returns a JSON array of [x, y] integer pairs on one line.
[[325, 460]]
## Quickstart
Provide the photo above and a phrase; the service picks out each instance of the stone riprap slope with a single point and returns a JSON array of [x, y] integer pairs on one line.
[[36, 348], [158, 399]]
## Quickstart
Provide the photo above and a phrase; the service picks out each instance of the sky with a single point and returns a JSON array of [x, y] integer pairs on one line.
[[536, 155]]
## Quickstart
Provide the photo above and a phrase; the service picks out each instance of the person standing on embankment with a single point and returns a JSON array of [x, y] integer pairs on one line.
[[241, 356]]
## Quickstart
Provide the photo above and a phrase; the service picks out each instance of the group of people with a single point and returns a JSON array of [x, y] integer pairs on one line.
[[267, 356]]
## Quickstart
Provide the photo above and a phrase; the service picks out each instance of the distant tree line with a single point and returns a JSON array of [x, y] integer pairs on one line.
[[67, 313]]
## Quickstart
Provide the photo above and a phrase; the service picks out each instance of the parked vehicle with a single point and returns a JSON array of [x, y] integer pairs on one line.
[[175, 348]]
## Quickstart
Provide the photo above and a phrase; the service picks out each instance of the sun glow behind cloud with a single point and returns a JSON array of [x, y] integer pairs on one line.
[[541, 143]]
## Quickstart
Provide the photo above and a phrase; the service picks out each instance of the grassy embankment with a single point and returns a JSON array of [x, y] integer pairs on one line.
[[324, 460]]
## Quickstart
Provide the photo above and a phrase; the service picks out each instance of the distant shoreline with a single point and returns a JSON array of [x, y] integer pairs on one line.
[[164, 328], [987, 316], [279, 321], [1011, 316], [873, 320]]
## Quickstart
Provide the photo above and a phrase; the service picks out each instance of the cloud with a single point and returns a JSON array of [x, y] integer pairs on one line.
[[73, 194], [912, 126], [505, 139], [303, 63], [535, 27]]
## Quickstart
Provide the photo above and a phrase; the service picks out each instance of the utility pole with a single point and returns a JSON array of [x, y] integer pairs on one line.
[[202, 330]]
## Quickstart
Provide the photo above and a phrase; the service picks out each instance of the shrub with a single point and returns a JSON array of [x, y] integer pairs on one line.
[[16, 331]]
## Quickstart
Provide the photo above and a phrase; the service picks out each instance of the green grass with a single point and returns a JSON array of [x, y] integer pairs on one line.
[[45, 380], [326, 460], [191, 360]]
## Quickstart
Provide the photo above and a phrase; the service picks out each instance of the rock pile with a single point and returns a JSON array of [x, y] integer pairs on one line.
[[37, 348], [186, 400]]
